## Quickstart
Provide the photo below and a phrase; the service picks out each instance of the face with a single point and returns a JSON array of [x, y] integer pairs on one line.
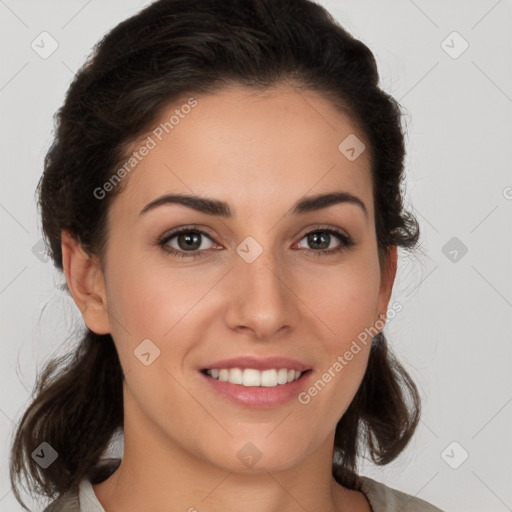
[[250, 295]]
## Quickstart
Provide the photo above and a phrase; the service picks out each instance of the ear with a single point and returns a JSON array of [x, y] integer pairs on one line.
[[86, 283], [387, 279]]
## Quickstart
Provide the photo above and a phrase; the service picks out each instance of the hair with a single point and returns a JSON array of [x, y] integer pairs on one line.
[[171, 49]]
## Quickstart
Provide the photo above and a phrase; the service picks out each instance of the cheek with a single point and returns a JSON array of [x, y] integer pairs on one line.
[[345, 299], [346, 304], [149, 301], [149, 304]]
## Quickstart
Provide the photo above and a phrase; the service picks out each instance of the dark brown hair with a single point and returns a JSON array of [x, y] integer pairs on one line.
[[171, 49]]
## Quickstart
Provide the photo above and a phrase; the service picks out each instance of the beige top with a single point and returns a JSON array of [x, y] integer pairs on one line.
[[381, 497]]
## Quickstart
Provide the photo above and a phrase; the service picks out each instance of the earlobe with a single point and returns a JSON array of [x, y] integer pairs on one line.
[[86, 283]]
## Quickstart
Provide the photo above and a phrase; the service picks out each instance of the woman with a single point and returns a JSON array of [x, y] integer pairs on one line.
[[223, 197]]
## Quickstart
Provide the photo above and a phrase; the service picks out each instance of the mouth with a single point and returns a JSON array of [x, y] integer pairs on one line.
[[251, 377], [255, 382]]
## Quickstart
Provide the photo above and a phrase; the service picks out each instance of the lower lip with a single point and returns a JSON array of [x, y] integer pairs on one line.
[[258, 396]]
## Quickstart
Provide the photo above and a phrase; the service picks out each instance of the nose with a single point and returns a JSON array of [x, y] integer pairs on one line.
[[261, 299]]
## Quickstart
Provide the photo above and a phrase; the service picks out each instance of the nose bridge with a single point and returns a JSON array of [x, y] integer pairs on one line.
[[260, 268], [262, 300]]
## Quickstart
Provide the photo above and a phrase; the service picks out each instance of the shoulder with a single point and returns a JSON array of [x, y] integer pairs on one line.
[[68, 502], [386, 499]]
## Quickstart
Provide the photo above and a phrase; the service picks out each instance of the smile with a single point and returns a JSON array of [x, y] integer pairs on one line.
[[252, 377], [257, 389]]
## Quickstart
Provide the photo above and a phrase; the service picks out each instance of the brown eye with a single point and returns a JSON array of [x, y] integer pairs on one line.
[[188, 241], [321, 239]]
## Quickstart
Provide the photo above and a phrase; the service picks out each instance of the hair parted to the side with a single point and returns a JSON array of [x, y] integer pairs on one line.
[[171, 50]]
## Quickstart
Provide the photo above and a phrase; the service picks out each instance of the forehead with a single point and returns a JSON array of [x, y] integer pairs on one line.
[[251, 149]]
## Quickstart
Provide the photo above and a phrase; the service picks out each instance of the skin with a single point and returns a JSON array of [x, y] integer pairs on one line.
[[260, 153]]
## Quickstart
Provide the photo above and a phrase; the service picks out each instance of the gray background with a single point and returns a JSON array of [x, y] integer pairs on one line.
[[454, 332]]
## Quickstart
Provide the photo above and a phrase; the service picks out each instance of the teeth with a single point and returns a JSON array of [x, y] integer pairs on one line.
[[236, 376], [282, 376], [269, 378], [252, 377]]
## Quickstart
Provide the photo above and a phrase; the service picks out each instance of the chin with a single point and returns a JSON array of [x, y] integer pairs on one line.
[[257, 455]]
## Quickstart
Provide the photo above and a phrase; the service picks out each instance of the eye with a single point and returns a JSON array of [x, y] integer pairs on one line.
[[322, 238], [188, 240]]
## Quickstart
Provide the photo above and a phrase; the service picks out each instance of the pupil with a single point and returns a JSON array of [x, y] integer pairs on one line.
[[188, 239], [313, 238]]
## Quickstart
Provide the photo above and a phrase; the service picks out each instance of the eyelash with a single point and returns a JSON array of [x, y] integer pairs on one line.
[[346, 242]]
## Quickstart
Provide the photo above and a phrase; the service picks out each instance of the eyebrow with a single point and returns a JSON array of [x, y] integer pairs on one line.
[[222, 209]]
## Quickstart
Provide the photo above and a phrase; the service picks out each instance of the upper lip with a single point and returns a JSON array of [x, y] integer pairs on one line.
[[258, 363]]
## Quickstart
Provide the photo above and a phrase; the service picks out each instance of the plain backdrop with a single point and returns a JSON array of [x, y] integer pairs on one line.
[[449, 64]]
